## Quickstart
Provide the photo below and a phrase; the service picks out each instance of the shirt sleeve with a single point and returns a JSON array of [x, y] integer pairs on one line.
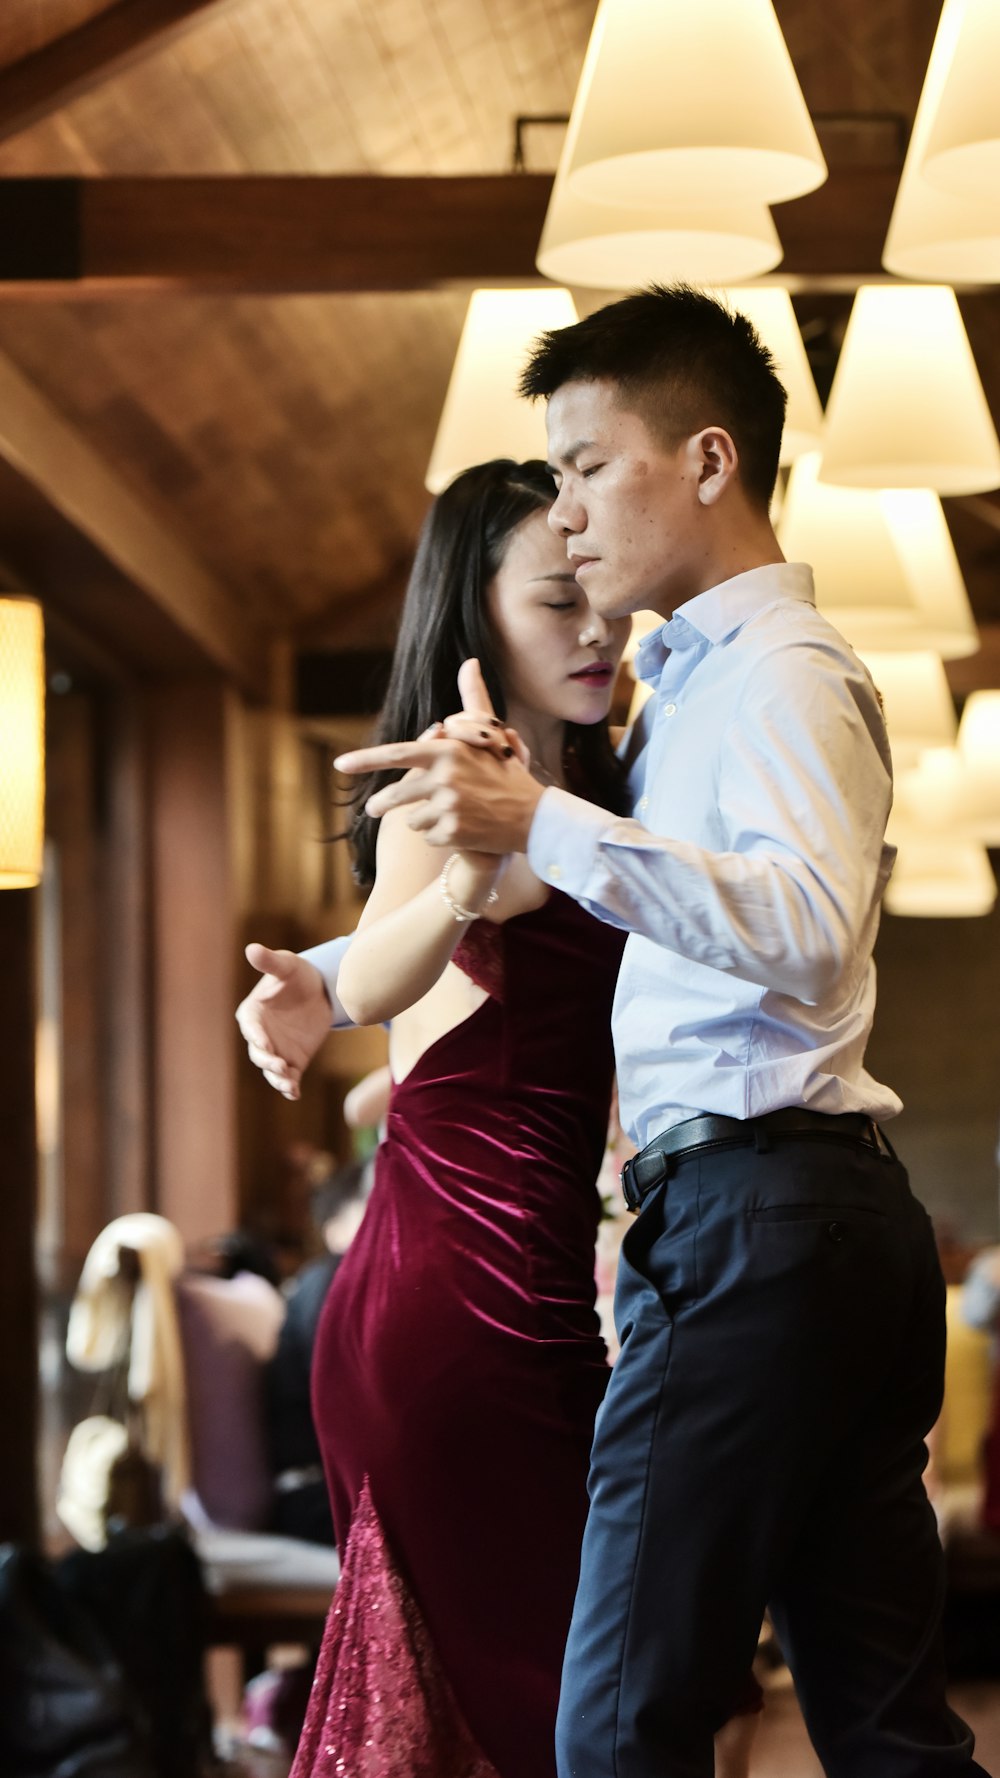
[[327, 958], [804, 792]]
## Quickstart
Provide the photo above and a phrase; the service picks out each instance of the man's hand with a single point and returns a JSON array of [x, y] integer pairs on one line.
[[477, 793], [285, 1018]]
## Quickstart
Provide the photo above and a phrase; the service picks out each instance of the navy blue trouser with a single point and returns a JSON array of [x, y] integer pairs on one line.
[[781, 1315]]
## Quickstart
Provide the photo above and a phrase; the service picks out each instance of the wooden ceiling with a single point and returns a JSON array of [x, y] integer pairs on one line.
[[255, 355]]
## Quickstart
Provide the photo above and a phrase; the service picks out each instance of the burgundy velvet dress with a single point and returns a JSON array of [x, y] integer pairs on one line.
[[458, 1370]]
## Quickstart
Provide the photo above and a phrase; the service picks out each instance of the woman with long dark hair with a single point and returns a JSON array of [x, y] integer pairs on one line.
[[459, 1363]]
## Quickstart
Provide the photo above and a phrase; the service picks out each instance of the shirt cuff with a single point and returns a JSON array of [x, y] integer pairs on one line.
[[327, 958], [565, 840]]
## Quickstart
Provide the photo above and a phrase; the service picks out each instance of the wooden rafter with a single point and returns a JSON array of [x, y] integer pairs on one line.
[[140, 546], [284, 234], [42, 82]]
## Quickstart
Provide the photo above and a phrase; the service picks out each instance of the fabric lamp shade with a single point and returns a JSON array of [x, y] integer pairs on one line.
[[645, 132], [946, 792], [907, 408], [919, 711], [939, 877], [962, 152], [603, 247], [483, 415], [22, 742], [770, 310], [933, 233], [979, 730], [886, 571]]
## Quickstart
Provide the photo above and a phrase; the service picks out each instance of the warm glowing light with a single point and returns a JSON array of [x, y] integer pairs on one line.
[[940, 878], [962, 152], [886, 571], [483, 415], [946, 792], [907, 408], [979, 730], [935, 233], [22, 742], [644, 133], [770, 310], [918, 705]]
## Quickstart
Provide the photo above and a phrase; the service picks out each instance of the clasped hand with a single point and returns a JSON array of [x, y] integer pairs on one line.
[[469, 774]]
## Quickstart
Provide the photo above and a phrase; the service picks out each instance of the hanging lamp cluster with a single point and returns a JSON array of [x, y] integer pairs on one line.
[[658, 187]]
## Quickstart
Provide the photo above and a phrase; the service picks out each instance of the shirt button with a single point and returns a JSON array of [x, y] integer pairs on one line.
[[644, 802], [554, 872], [670, 709]]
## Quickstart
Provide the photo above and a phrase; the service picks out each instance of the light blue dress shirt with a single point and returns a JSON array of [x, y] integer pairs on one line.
[[751, 886]]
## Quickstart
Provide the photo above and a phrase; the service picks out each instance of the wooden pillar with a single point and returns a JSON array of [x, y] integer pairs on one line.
[[18, 1286], [194, 944]]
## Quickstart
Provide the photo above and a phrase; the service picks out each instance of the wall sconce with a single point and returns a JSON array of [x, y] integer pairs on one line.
[[22, 741], [483, 416]]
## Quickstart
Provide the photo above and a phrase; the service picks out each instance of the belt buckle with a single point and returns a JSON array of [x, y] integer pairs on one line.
[[630, 1190]]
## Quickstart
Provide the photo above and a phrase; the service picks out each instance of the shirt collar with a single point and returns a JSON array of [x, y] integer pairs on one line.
[[714, 615], [724, 609]]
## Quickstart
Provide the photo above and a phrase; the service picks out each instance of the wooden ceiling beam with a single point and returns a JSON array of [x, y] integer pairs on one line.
[[283, 234], [141, 548], [101, 47]]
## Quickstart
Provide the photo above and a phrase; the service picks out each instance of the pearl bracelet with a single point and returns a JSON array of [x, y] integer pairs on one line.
[[458, 911]]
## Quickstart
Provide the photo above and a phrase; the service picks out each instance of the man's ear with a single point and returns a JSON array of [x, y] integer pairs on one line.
[[715, 460]]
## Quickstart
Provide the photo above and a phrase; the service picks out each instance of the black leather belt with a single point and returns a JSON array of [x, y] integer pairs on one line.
[[655, 1162]]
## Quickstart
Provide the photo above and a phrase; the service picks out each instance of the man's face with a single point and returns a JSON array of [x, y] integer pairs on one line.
[[627, 505]]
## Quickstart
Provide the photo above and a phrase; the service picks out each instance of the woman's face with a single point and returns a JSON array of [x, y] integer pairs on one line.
[[558, 658]]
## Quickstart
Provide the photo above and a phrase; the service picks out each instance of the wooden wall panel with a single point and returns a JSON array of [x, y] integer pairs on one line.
[[18, 1286]]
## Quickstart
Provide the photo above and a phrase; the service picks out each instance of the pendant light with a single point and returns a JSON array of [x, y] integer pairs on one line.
[[483, 415], [646, 132], [939, 878], [962, 152], [907, 408], [917, 700], [886, 571], [770, 309], [936, 233]]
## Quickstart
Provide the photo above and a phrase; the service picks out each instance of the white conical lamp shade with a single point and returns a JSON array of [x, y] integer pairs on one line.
[[939, 878], [936, 234], [646, 130], [945, 792], [483, 415], [979, 730], [907, 408], [22, 742], [886, 571], [962, 153], [603, 247], [772, 314], [916, 698]]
